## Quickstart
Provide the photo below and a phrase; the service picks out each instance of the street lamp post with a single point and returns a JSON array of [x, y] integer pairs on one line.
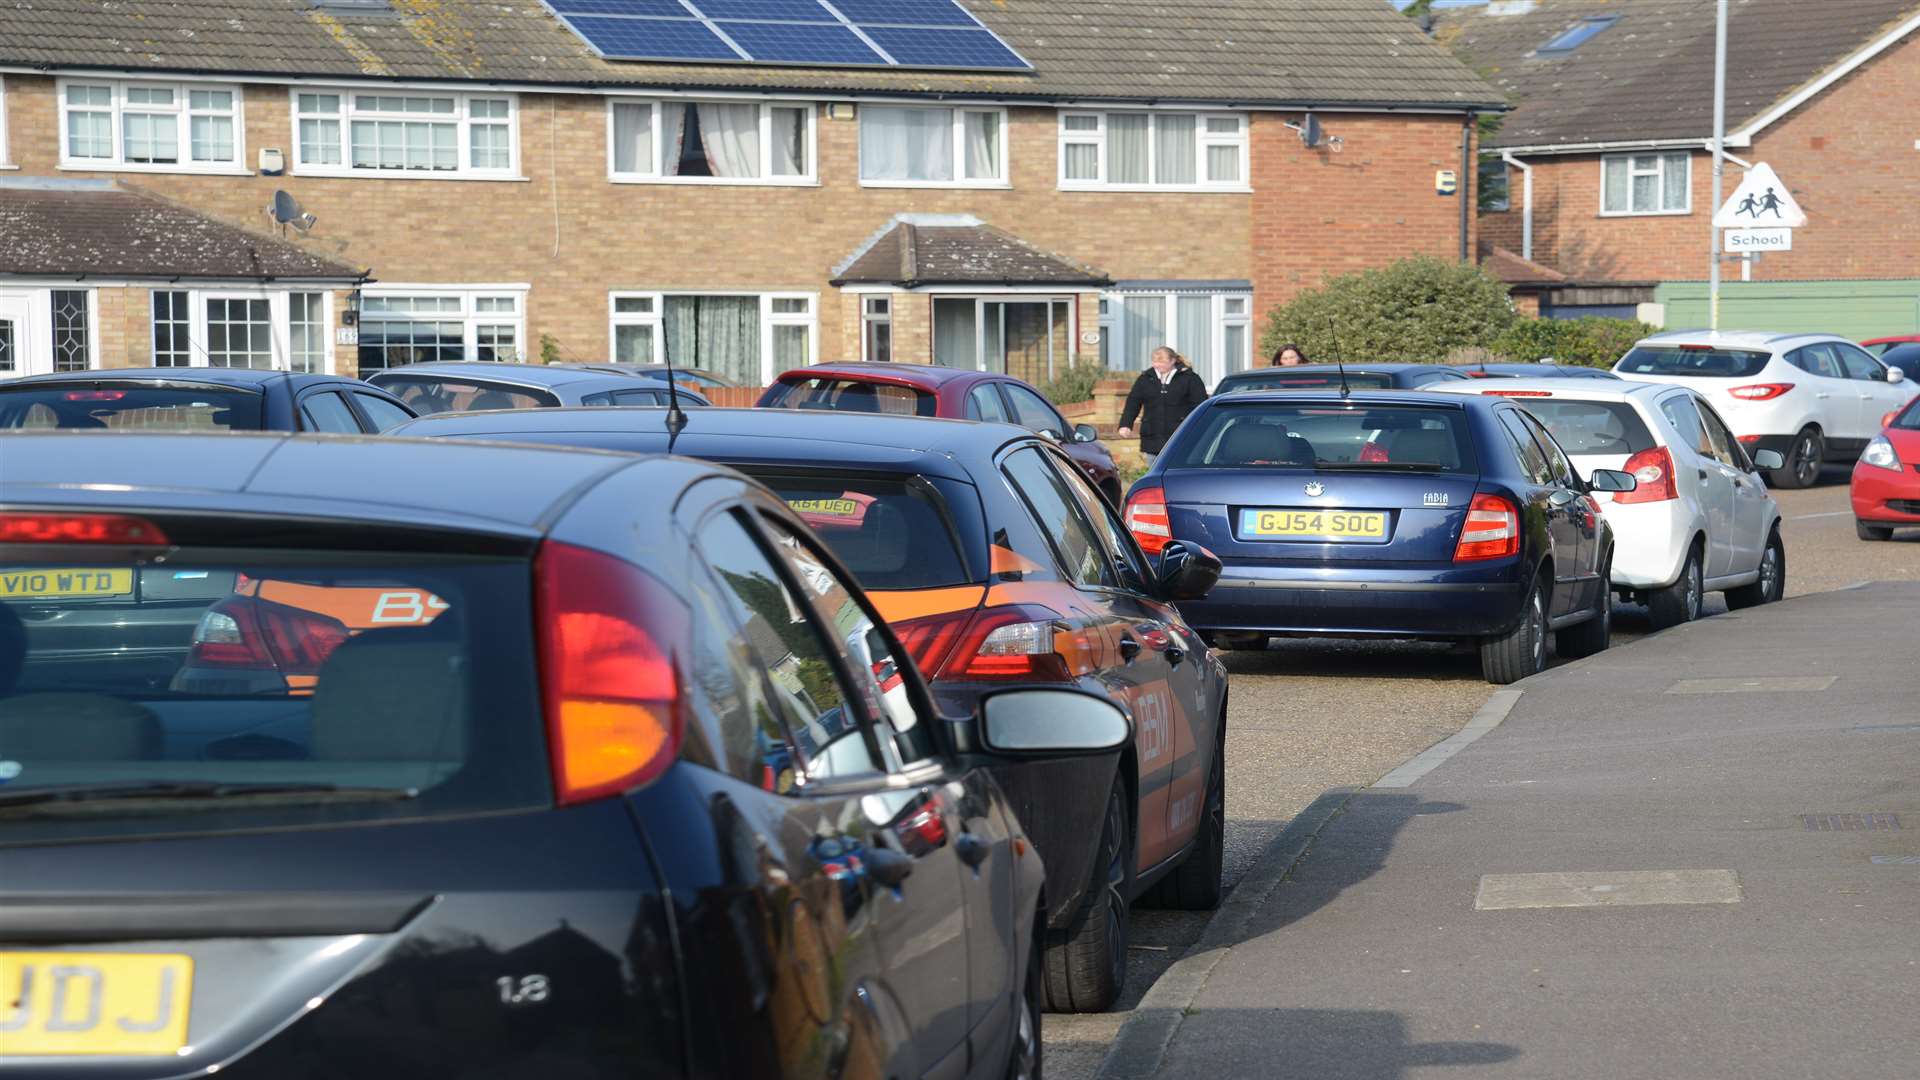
[[1719, 160]]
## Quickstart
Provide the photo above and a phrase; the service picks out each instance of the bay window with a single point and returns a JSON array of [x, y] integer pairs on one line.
[[404, 325], [1646, 184], [279, 331], [747, 337], [150, 126], [405, 133], [914, 147], [1152, 150], [1212, 328], [710, 142]]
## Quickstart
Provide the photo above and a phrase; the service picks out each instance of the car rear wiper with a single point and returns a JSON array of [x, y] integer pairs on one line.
[[193, 789]]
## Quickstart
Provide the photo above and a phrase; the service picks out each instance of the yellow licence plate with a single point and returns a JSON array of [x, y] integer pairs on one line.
[[38, 584], [1314, 524], [93, 1003]]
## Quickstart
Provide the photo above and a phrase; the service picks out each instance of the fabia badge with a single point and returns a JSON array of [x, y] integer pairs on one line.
[[1315, 489], [1434, 498]]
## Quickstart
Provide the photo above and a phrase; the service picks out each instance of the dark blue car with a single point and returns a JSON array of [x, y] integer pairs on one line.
[[199, 399], [1385, 514], [1397, 376]]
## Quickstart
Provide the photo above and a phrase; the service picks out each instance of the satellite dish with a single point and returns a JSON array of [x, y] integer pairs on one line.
[[1310, 133], [286, 210]]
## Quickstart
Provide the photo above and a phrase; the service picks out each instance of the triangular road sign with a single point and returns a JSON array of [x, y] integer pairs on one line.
[[1762, 201]]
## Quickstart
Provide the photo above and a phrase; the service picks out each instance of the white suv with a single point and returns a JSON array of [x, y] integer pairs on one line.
[[1700, 520], [1813, 397]]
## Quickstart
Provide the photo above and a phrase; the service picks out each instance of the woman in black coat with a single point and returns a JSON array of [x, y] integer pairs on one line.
[[1161, 397]]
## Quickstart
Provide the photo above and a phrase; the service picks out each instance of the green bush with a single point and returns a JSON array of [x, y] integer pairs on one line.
[[1418, 309], [1075, 384], [1593, 342]]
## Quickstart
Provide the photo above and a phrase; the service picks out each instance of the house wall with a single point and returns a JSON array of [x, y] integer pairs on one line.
[[1849, 155], [572, 235]]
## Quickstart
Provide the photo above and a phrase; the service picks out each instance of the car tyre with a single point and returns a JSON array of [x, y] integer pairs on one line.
[[1804, 459], [1194, 885], [1772, 582], [1521, 651], [1872, 532], [1086, 962], [1679, 602], [1025, 1059], [1592, 636]]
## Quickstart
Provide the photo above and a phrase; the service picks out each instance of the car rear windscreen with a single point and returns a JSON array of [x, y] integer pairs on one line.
[[1309, 380], [131, 408], [425, 394], [223, 689], [1327, 436], [1909, 418], [1592, 427], [892, 532], [851, 395], [1700, 362]]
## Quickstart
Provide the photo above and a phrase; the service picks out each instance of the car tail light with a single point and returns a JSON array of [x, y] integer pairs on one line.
[[62, 528], [1492, 530], [1373, 453], [1653, 468], [930, 638], [1018, 641], [260, 635], [95, 395], [1765, 391], [1147, 519], [611, 683], [1517, 393], [1748, 440]]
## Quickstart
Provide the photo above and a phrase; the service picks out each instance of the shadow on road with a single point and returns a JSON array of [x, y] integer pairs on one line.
[[1371, 658], [1325, 1044]]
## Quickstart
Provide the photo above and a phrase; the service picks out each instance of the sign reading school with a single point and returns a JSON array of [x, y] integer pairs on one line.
[[1761, 201]]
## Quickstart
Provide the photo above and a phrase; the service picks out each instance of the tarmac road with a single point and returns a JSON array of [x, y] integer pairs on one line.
[[1307, 716]]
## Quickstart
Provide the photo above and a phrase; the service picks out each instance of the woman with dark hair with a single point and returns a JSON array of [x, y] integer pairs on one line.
[[1161, 397], [1289, 355]]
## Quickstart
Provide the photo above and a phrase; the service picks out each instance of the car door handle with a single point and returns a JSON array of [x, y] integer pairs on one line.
[[972, 850], [887, 866], [1703, 474], [1562, 497], [1129, 648]]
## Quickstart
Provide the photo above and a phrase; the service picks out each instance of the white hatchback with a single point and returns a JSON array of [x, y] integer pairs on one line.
[[1701, 519], [1814, 398]]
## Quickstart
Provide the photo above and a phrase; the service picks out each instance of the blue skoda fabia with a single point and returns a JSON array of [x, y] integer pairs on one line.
[[1387, 514]]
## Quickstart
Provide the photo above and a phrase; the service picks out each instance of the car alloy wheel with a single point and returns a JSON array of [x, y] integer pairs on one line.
[[1537, 631], [1694, 589], [1770, 578], [1806, 459], [1117, 915]]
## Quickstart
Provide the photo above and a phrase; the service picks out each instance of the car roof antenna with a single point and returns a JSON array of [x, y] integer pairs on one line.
[[676, 418], [1345, 390]]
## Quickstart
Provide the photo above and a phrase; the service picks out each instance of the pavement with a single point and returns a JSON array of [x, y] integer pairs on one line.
[[1689, 856]]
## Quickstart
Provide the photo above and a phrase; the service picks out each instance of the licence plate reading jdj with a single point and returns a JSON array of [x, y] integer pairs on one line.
[[36, 583], [1362, 525], [93, 1003]]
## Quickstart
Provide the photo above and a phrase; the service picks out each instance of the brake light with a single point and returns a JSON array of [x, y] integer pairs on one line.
[[1761, 391], [60, 528], [95, 395], [1018, 641], [1146, 518], [930, 638], [1696, 348], [1653, 468], [1492, 530], [1748, 440], [1517, 393], [1373, 453], [611, 683]]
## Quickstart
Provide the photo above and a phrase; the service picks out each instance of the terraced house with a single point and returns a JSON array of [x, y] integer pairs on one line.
[[742, 185]]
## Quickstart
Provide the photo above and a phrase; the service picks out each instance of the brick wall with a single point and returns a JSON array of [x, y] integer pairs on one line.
[[1849, 156]]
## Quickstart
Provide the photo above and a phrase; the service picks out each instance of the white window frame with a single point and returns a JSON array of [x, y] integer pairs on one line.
[[279, 319], [810, 171], [768, 320], [1660, 170], [461, 117], [183, 127], [470, 317], [959, 136], [870, 318], [1203, 139], [5, 161], [1112, 310]]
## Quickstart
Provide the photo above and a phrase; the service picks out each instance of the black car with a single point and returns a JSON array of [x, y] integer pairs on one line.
[[468, 386], [1386, 514], [1538, 370], [997, 563], [1357, 376], [198, 399], [637, 785]]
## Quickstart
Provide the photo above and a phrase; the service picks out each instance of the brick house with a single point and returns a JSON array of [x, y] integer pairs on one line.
[[1609, 178], [509, 192]]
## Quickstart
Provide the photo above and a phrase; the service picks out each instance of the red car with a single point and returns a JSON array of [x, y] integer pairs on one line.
[[951, 393], [1886, 479]]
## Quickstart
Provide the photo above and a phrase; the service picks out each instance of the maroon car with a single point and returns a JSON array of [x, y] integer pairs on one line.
[[924, 390]]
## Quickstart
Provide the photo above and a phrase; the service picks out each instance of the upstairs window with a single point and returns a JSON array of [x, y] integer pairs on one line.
[[146, 126], [405, 134], [914, 147], [1646, 184], [1153, 150], [710, 142]]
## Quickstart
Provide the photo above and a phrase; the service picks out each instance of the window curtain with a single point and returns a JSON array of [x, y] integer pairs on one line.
[[1615, 184], [633, 138], [1196, 332], [1675, 175], [955, 340], [1175, 145], [789, 142], [983, 146], [1127, 142], [730, 134], [1143, 328], [719, 333], [906, 144], [673, 135]]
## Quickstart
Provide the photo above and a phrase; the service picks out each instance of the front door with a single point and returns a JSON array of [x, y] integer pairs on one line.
[[22, 338]]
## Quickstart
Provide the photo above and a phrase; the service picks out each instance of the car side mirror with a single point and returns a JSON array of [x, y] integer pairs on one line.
[[1089, 433], [1050, 434], [1187, 571], [1051, 723], [1895, 375], [1773, 459], [1611, 480]]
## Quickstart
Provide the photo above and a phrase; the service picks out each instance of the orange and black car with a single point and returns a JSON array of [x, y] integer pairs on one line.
[[997, 563]]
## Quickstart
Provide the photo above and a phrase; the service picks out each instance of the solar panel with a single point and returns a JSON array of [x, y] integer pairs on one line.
[[821, 33]]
